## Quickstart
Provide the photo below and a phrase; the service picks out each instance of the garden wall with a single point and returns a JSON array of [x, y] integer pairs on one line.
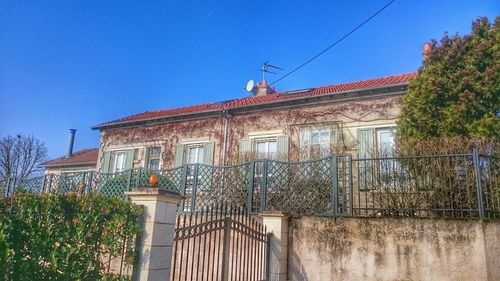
[[393, 249]]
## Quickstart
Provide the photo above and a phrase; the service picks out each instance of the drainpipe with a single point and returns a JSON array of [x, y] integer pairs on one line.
[[226, 116], [71, 142]]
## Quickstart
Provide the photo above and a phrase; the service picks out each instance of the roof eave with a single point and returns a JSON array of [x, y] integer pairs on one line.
[[133, 122], [70, 164]]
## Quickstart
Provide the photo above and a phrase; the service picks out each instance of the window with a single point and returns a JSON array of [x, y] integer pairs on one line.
[[153, 162], [118, 161], [266, 149], [375, 149], [195, 154], [385, 142], [198, 177], [389, 170], [317, 141]]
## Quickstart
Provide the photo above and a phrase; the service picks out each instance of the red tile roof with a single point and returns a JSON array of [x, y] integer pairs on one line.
[[84, 156], [248, 101]]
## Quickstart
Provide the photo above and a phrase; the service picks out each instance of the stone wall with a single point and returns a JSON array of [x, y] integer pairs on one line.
[[393, 249]]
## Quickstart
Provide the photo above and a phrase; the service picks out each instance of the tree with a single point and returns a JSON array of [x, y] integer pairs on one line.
[[456, 92], [21, 156]]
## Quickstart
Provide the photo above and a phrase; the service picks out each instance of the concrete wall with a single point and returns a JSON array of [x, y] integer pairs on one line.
[[393, 249]]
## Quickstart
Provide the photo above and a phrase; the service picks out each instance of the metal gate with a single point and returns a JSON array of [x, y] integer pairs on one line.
[[220, 243]]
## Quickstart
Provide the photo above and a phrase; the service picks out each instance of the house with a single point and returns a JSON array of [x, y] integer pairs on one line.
[[84, 160], [357, 117]]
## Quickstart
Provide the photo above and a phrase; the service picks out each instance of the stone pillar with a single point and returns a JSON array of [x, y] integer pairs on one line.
[[157, 238], [277, 224]]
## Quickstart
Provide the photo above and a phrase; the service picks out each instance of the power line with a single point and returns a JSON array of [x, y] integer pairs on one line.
[[336, 42]]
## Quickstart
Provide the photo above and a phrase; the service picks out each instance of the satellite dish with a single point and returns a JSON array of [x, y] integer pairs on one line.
[[250, 86]]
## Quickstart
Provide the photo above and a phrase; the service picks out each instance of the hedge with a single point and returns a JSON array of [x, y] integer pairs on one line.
[[64, 236]]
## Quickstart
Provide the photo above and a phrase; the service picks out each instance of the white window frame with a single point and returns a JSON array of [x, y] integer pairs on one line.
[[266, 154], [199, 153], [325, 146], [150, 157], [114, 157], [380, 150]]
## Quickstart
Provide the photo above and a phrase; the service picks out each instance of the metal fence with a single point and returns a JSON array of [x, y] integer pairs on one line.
[[220, 243], [459, 185]]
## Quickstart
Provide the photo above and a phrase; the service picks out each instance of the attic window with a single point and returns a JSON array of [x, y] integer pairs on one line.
[[300, 91], [222, 102]]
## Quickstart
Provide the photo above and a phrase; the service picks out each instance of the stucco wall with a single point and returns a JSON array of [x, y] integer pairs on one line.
[[378, 111], [393, 249]]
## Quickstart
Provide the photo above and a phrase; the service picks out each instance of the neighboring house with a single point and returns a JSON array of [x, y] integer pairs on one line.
[[84, 160], [357, 117]]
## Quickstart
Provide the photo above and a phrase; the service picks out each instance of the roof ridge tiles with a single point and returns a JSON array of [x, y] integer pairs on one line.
[[252, 100]]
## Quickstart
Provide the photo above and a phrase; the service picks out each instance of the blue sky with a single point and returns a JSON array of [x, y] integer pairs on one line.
[[74, 64]]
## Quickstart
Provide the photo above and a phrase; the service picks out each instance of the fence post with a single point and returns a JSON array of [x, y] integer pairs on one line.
[[263, 187], [84, 183], [251, 177], [195, 187], [225, 249], [138, 179], [89, 182], [43, 183], [335, 186], [349, 159], [479, 188], [50, 183], [129, 179], [157, 238], [276, 223], [182, 188]]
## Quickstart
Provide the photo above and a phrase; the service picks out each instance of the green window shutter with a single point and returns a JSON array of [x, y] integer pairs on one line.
[[208, 153], [282, 147], [129, 159], [245, 146], [366, 142], [365, 149], [282, 151], [340, 138], [106, 162], [179, 155]]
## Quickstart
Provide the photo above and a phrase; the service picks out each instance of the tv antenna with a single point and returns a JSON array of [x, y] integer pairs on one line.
[[265, 69]]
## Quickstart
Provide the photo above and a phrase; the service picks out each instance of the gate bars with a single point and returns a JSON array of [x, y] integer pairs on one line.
[[220, 243]]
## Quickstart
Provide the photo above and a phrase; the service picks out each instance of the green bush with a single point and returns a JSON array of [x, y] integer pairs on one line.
[[64, 237]]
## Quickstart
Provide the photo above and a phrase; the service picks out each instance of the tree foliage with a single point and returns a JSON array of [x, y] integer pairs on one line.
[[21, 156], [457, 90], [64, 237]]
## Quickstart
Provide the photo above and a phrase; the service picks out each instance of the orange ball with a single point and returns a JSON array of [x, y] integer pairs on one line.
[[153, 180]]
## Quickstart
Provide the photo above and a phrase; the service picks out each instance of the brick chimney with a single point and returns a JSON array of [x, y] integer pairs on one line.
[[263, 89]]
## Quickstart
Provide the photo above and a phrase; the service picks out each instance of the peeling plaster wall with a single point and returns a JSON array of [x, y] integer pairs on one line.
[[393, 249], [362, 112]]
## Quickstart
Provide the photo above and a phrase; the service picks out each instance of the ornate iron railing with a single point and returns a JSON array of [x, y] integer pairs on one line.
[[459, 185]]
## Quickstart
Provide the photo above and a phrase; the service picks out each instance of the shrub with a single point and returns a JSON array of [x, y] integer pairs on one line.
[[64, 237]]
